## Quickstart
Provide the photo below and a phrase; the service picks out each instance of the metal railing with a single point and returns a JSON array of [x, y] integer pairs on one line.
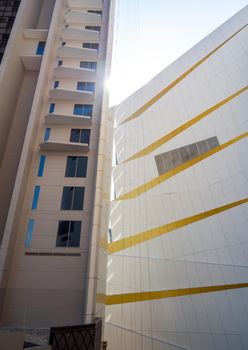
[[84, 337]]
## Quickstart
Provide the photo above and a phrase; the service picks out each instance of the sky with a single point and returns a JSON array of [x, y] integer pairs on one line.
[[151, 34]]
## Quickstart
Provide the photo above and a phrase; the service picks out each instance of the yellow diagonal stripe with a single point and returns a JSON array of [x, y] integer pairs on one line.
[[171, 293], [178, 80], [183, 127], [161, 230], [159, 179]]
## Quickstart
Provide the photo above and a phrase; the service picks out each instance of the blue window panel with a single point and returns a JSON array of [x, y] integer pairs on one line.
[[78, 109], [81, 86], [52, 108], [35, 197], [86, 86], [88, 110], [47, 134], [29, 233], [90, 86], [60, 62], [56, 84], [91, 46], [41, 165], [40, 48], [83, 109], [88, 65], [92, 65]]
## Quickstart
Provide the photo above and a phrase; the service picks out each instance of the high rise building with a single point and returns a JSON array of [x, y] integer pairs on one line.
[[55, 158], [178, 242], [8, 11]]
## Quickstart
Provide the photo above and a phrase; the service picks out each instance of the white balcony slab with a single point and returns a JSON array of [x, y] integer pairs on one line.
[[71, 95], [76, 52], [74, 73], [54, 146], [72, 120], [77, 34], [85, 4], [31, 63], [39, 34], [77, 17]]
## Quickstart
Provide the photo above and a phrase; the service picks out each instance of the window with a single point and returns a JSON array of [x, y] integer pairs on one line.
[[56, 84], [95, 11], [93, 46], [76, 166], [47, 134], [83, 110], [29, 233], [86, 86], [72, 198], [110, 235], [52, 108], [40, 48], [35, 197], [68, 234], [80, 135], [96, 28], [88, 65], [60, 62], [41, 165], [63, 43]]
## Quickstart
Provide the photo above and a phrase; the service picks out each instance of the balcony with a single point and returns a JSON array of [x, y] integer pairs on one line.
[[86, 4], [74, 73], [77, 34], [54, 146], [77, 52], [30, 59], [76, 17], [71, 95], [70, 119], [37, 34]]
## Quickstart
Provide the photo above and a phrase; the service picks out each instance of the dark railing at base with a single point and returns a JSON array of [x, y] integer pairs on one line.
[[84, 337]]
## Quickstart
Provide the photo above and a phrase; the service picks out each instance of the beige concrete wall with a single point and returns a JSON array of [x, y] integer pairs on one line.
[[45, 15], [14, 215], [13, 148], [11, 68], [50, 289]]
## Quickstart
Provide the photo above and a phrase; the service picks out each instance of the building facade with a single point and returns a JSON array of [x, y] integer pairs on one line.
[[55, 163], [178, 242], [8, 11]]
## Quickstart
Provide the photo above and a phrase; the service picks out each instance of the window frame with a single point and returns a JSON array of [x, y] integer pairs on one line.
[[69, 199], [69, 234], [40, 48], [75, 171]]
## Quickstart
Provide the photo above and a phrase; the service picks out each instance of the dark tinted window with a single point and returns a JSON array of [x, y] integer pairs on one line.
[[93, 46], [76, 166], [72, 198], [75, 135], [80, 135], [68, 234], [88, 65], [85, 136]]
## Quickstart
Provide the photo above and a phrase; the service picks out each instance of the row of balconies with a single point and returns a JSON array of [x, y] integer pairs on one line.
[[34, 44]]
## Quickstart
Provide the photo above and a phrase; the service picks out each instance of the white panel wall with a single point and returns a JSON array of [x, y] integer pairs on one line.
[[209, 252]]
